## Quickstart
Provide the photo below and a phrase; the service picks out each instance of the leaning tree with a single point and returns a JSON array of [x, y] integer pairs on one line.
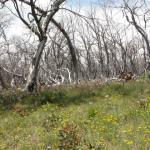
[[37, 20], [137, 13], [4, 22]]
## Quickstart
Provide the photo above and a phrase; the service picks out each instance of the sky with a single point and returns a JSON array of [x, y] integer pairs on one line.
[[73, 4], [81, 2]]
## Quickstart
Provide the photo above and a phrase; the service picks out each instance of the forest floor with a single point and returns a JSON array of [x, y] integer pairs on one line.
[[114, 116]]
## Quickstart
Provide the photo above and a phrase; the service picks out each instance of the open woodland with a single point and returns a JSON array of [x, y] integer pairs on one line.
[[74, 77]]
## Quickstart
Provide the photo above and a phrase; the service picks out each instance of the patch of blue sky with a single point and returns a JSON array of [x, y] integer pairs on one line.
[[84, 3], [81, 2]]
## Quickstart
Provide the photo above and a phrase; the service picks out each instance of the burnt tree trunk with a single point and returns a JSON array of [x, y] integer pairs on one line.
[[2, 80]]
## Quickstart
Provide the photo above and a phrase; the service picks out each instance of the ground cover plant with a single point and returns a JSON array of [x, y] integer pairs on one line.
[[113, 116]]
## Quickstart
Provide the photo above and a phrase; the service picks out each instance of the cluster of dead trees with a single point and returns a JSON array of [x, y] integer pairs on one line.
[[77, 47]]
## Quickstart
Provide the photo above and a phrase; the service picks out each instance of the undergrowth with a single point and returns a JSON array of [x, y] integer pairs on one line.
[[113, 116]]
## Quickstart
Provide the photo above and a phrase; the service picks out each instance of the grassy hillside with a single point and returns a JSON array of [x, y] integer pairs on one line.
[[90, 117]]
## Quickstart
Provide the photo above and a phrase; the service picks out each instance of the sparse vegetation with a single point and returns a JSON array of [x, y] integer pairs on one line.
[[78, 118]]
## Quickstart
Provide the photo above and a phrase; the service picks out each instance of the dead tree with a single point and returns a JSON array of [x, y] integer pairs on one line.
[[70, 45], [132, 16], [37, 22], [2, 80]]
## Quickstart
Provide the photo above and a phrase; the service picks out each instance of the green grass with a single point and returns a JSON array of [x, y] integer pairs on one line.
[[109, 117]]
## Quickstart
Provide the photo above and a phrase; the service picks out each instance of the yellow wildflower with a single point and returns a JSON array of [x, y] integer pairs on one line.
[[130, 142]]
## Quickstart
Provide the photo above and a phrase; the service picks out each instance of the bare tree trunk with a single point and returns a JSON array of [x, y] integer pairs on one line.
[[2, 80], [34, 67], [71, 48]]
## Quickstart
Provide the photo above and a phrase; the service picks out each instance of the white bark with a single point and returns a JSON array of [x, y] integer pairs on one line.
[[13, 83], [33, 69], [69, 74], [53, 10], [52, 79], [9, 72]]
